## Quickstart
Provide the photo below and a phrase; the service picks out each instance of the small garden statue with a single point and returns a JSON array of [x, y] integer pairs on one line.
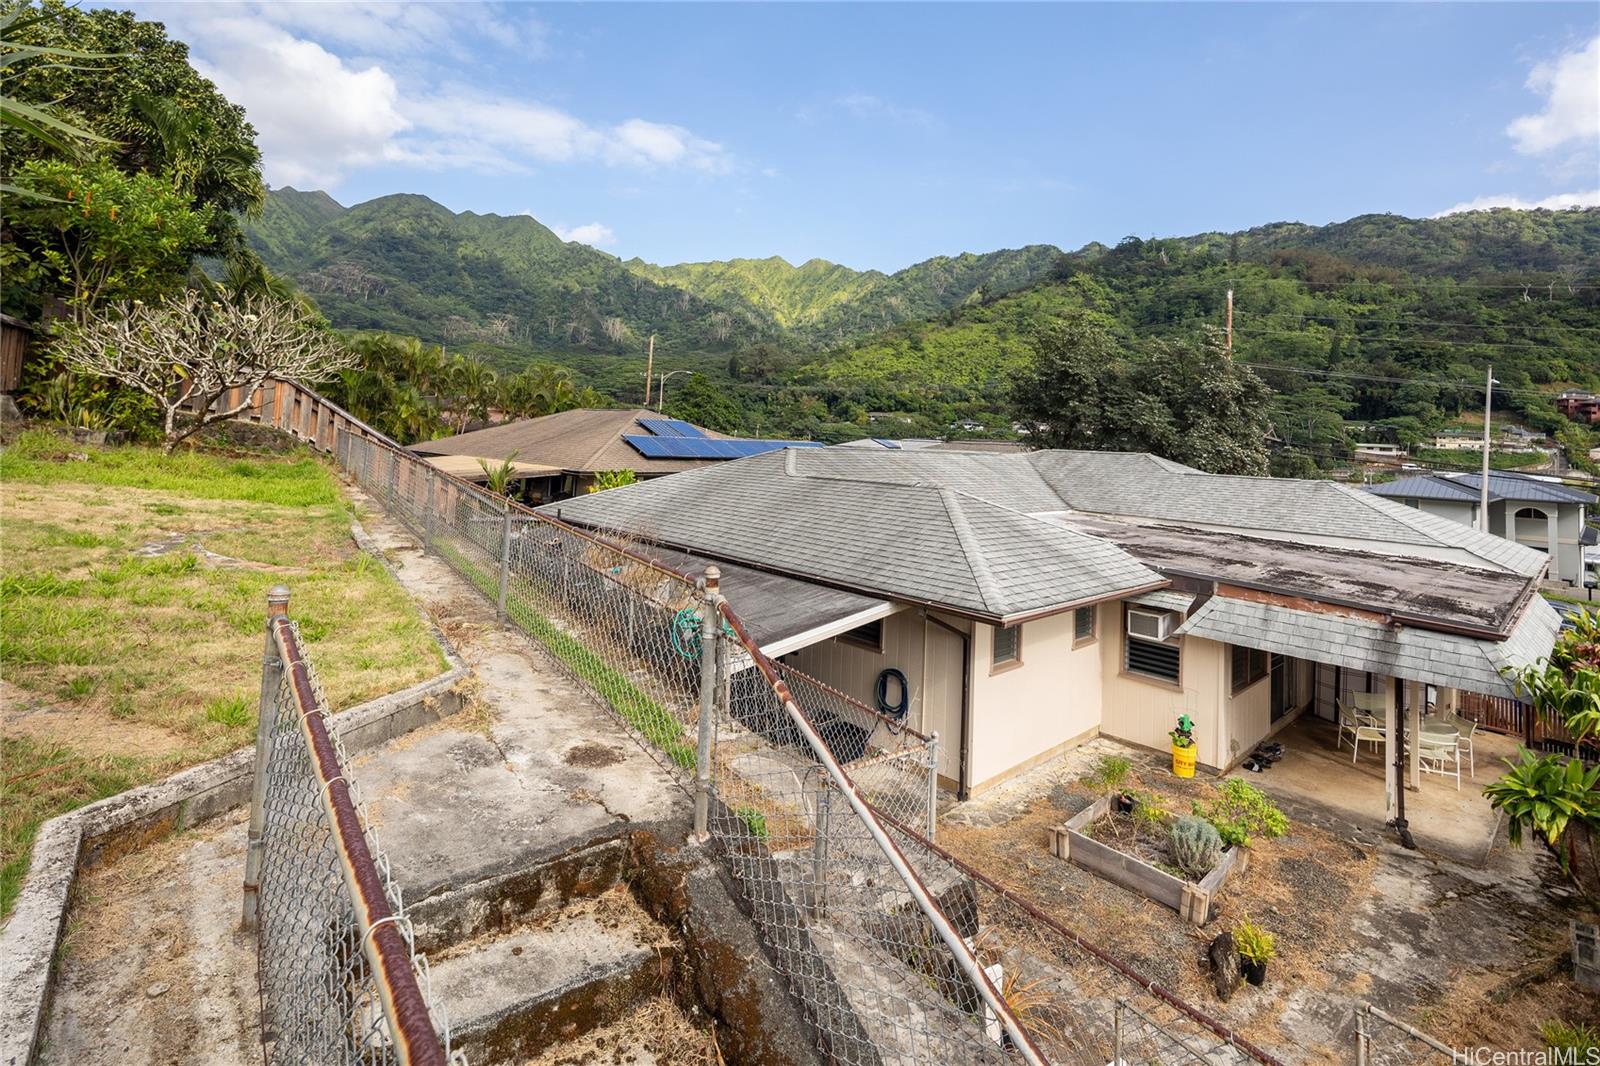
[[1183, 750]]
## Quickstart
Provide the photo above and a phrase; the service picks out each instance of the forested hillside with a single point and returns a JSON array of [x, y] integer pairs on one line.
[[1359, 327], [409, 265]]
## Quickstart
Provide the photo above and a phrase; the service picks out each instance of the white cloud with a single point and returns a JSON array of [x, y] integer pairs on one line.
[[319, 114], [1570, 85], [640, 143], [596, 234], [1558, 202], [315, 116]]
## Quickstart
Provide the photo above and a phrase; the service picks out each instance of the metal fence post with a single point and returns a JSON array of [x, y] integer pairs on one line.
[[427, 513], [933, 783], [271, 679], [1361, 1035], [505, 563], [819, 845], [710, 631], [1116, 1031]]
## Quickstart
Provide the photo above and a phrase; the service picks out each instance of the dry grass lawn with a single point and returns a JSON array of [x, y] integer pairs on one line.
[[132, 598]]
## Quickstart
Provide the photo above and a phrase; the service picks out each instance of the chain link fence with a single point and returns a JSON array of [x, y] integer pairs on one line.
[[824, 808], [340, 980]]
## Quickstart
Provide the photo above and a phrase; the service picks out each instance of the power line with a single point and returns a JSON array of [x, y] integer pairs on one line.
[[1408, 340], [1571, 288], [1356, 324], [1443, 383]]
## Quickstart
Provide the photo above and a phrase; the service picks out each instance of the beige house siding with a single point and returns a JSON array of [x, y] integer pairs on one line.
[[1143, 710], [1024, 713], [1249, 715], [854, 668]]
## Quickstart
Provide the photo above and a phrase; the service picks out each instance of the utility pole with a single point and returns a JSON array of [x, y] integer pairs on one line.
[[1230, 323], [1483, 487], [649, 369]]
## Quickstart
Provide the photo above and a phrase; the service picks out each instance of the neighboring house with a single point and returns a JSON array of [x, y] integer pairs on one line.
[[559, 456], [1544, 515], [1032, 601], [1579, 406], [1374, 451], [1454, 442]]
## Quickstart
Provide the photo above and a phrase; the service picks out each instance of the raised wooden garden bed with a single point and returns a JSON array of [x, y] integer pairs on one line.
[[1193, 901]]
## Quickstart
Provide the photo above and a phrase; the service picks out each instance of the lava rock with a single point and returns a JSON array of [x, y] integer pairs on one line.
[[1224, 956]]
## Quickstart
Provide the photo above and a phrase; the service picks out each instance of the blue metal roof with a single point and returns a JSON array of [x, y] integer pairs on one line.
[[1465, 488]]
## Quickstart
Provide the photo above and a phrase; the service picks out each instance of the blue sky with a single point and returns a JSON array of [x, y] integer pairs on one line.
[[879, 135]]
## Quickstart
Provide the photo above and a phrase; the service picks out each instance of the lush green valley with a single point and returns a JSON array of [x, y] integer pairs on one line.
[[1360, 328]]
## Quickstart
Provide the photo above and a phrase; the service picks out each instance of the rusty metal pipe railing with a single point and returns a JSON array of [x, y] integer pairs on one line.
[[960, 951], [404, 1007]]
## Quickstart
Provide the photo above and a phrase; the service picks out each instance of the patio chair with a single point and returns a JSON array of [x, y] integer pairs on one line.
[[1365, 728], [1467, 727], [1439, 755], [1350, 721], [1372, 704]]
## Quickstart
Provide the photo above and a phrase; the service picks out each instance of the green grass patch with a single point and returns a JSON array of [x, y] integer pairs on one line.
[[42, 781], [159, 654], [1461, 460], [40, 457]]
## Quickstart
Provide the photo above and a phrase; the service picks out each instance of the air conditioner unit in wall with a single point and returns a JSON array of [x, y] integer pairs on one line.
[[1149, 625]]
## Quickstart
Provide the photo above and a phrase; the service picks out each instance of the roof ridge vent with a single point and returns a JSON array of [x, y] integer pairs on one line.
[[789, 462]]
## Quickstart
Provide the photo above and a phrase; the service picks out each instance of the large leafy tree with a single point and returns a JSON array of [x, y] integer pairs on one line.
[[164, 151], [1185, 400], [701, 402], [95, 234]]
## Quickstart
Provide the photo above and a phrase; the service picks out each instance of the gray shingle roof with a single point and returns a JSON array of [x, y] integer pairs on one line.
[[910, 541], [1361, 644], [978, 531], [1502, 486], [1141, 486]]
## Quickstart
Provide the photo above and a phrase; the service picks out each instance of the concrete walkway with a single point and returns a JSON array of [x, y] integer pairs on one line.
[[155, 969]]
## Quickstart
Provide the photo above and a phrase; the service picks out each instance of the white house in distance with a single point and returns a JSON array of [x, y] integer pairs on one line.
[[1033, 600], [1544, 515]]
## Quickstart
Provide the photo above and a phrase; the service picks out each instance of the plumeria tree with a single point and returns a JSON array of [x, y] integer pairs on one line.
[[190, 351]]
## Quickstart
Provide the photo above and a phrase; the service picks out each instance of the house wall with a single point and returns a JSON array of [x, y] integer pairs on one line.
[[1143, 710], [1248, 717], [853, 668], [1454, 510], [1022, 714]]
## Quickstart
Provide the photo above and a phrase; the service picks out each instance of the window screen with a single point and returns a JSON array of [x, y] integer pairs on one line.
[[1007, 644], [1152, 658], [1249, 666], [1083, 623]]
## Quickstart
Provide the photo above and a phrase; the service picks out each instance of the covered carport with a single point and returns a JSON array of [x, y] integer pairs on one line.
[[1411, 656]]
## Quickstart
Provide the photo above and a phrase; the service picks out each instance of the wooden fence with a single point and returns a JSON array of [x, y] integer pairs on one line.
[[299, 411], [1501, 714]]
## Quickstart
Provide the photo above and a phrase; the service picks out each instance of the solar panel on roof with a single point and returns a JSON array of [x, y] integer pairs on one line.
[[685, 429], [673, 447], [660, 427]]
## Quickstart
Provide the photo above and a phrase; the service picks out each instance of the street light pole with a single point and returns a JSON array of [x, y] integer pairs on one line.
[[661, 392]]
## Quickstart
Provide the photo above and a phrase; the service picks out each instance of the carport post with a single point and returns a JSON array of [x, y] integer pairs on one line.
[[710, 645]]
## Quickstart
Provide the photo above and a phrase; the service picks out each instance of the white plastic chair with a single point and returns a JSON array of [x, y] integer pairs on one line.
[[1435, 753], [1467, 727]]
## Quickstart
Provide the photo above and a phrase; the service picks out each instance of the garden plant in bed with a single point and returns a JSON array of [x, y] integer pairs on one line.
[[1133, 838]]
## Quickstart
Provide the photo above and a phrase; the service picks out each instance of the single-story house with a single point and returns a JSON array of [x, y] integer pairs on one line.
[[559, 456], [1540, 513], [1031, 601]]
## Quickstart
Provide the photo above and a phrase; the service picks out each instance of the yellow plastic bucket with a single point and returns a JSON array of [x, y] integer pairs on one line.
[[1183, 761]]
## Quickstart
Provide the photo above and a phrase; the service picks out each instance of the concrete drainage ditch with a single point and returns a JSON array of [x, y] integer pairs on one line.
[[578, 951]]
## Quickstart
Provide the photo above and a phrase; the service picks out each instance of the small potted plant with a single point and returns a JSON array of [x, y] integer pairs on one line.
[[1183, 750], [1256, 946]]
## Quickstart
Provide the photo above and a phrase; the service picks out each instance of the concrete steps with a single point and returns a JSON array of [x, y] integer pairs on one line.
[[519, 993]]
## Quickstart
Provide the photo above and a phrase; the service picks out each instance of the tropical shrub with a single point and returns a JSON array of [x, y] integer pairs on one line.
[[1240, 810], [1195, 846], [1254, 943], [1569, 1036], [1546, 794], [612, 479]]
